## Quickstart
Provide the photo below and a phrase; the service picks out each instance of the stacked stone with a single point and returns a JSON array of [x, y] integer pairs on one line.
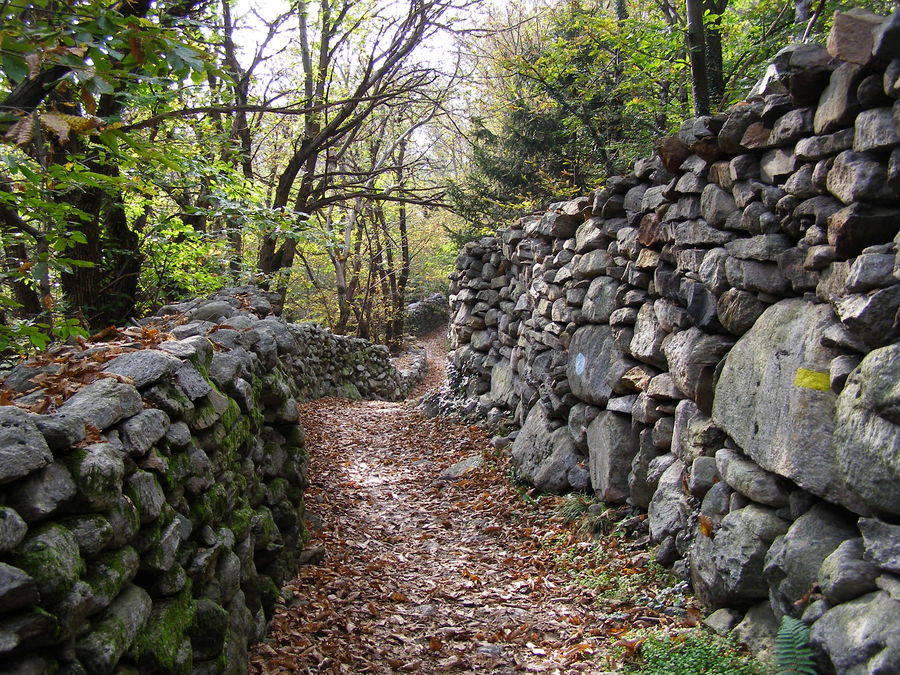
[[148, 523], [727, 317], [426, 314]]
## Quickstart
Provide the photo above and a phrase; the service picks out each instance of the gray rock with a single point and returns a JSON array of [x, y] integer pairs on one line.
[[865, 447], [882, 543], [104, 402], [814, 148], [840, 369], [776, 165], [692, 356], [698, 233], [774, 398], [60, 430], [213, 311], [17, 589], [871, 317], [727, 568], [757, 630], [191, 382], [704, 474], [738, 310], [143, 489], [793, 562], [553, 474], [535, 443], [646, 345], [838, 104], [858, 177], [92, 532], [752, 481], [670, 505], [22, 446], [98, 471], [50, 556], [43, 494], [694, 434], [612, 444], [763, 247], [845, 574], [144, 366], [591, 354], [12, 529], [139, 433], [871, 270], [875, 130], [101, 649], [860, 636], [759, 277], [722, 620], [716, 205]]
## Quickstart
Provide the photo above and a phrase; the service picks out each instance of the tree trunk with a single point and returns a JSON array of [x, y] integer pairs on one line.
[[697, 51]]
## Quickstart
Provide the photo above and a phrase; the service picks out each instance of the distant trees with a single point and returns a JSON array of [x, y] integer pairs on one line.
[[149, 156], [575, 91]]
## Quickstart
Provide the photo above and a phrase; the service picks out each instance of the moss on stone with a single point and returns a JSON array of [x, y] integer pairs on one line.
[[210, 507], [159, 643], [111, 571], [240, 522], [50, 555], [269, 594]]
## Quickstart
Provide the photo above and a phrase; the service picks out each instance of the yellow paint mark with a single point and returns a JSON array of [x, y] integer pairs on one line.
[[812, 379]]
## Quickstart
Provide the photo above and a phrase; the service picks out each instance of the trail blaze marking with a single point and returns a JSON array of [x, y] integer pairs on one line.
[[579, 364], [812, 379]]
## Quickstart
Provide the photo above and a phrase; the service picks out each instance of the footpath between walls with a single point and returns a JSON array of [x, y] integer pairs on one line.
[[712, 338], [152, 480]]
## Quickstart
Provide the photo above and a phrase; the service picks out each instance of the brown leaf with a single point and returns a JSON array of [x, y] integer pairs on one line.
[[34, 64]]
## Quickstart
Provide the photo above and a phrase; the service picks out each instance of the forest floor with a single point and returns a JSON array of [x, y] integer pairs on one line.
[[427, 574]]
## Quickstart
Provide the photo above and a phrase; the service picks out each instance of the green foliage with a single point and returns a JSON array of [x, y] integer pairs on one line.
[[696, 652], [792, 652]]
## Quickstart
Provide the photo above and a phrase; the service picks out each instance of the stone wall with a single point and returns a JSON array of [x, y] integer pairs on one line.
[[151, 486], [426, 314], [713, 338]]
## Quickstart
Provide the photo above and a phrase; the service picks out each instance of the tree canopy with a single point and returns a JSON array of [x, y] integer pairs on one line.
[[336, 151]]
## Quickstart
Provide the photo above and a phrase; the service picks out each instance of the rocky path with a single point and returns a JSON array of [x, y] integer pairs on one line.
[[427, 574]]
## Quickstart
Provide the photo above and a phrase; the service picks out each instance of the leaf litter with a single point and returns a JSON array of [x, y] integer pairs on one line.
[[428, 575]]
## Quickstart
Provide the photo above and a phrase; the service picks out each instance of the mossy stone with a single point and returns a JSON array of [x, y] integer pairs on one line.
[[208, 634], [98, 471], [240, 522], [210, 507], [50, 555], [110, 572], [159, 646]]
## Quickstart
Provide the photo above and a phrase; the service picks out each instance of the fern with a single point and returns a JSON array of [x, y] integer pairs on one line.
[[792, 652]]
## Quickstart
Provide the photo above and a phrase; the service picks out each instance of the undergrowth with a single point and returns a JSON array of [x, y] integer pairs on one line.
[[692, 652]]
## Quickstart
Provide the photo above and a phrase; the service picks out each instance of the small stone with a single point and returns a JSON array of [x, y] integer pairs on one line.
[[857, 226], [104, 402], [22, 446], [722, 620], [875, 131], [61, 430], [882, 543], [43, 494], [846, 574], [752, 481], [144, 366], [17, 589], [838, 105], [871, 270], [852, 35], [12, 529], [871, 317], [857, 177]]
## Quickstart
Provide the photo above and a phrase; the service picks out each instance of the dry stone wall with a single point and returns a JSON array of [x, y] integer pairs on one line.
[[148, 520], [713, 338]]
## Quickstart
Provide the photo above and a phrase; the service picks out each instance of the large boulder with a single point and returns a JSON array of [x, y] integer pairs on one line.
[[793, 562], [774, 399], [591, 354], [612, 444], [861, 636], [865, 446], [544, 456], [727, 567]]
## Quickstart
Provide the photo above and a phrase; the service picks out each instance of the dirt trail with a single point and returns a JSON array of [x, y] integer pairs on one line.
[[424, 574]]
